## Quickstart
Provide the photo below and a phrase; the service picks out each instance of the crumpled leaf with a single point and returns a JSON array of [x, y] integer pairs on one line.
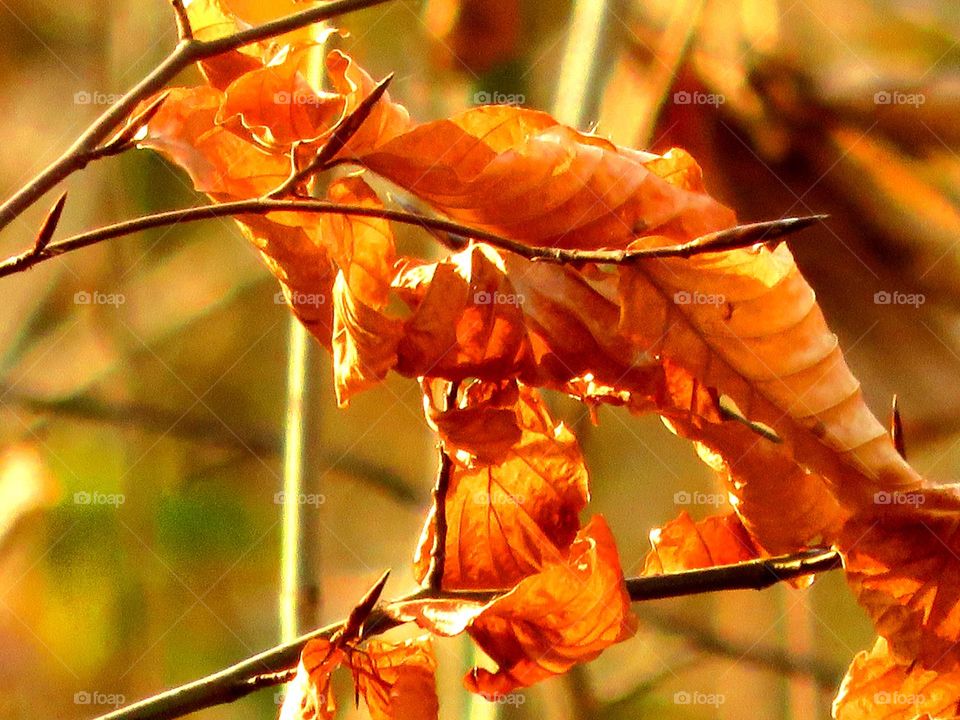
[[904, 569], [278, 105], [364, 342], [364, 339], [877, 687], [519, 173], [396, 680], [746, 324], [685, 544], [566, 614], [507, 518], [467, 322], [484, 424], [572, 609], [362, 247]]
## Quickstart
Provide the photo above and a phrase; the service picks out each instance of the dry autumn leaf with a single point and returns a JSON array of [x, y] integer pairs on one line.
[[566, 614], [509, 517], [395, 680], [905, 571], [877, 687], [683, 544]]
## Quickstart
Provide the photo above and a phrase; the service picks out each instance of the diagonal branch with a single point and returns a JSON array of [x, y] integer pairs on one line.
[[731, 238], [270, 667]]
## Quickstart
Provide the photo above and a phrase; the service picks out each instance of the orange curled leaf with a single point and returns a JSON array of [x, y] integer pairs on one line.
[[364, 343], [904, 569], [519, 173], [362, 247], [396, 680], [876, 686], [685, 544], [468, 322], [484, 424], [278, 105], [566, 614], [506, 519]]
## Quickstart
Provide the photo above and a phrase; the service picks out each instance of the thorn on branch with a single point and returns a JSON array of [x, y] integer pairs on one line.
[[896, 428], [354, 626], [49, 226], [125, 138]]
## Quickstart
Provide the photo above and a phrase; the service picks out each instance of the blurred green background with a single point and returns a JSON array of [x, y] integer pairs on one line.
[[140, 438]]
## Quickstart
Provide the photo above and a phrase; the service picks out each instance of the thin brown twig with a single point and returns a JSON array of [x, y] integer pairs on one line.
[[268, 667], [184, 29], [438, 553], [739, 236], [188, 51]]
